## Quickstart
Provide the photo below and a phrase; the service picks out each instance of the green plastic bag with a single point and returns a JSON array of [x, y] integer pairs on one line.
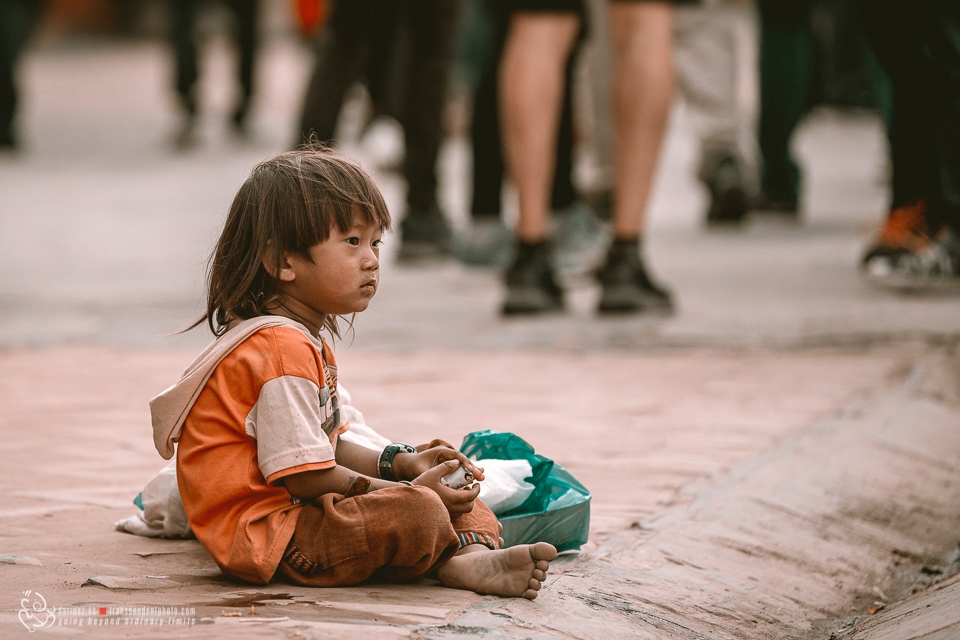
[[558, 510]]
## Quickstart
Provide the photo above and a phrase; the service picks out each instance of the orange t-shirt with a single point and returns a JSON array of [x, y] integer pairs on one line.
[[270, 409]]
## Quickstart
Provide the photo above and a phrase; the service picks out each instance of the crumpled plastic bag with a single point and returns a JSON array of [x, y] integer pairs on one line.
[[556, 511], [162, 514]]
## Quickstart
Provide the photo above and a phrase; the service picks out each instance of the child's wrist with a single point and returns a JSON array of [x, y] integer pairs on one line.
[[401, 468]]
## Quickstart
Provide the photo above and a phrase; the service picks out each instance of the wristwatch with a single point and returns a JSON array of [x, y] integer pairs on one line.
[[385, 462]]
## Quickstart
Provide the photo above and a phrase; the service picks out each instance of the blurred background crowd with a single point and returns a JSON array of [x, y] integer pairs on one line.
[[566, 104]]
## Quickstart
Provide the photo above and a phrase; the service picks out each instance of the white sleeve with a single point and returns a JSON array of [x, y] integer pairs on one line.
[[287, 423]]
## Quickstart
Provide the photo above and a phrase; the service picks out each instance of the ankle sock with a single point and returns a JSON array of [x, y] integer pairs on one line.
[[528, 249], [625, 246]]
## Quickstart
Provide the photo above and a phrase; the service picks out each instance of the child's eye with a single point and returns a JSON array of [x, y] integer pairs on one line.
[[354, 241], [377, 243]]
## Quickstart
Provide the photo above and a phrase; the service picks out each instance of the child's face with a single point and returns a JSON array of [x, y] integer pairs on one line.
[[341, 279]]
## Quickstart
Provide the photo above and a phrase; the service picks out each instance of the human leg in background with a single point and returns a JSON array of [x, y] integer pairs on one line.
[[531, 92], [183, 15], [642, 98], [786, 51], [919, 48], [706, 55], [341, 52], [17, 19], [246, 38], [489, 241], [432, 28]]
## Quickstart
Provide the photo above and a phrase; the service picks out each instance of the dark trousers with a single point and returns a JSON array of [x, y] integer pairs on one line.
[[786, 66], [801, 66], [918, 44], [183, 14], [488, 164], [347, 50], [17, 18]]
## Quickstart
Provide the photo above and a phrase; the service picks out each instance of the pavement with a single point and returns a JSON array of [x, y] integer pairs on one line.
[[777, 459]]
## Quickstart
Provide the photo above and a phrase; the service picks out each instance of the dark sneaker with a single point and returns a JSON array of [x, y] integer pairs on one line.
[[909, 255], [728, 197], [424, 235], [531, 285], [627, 288]]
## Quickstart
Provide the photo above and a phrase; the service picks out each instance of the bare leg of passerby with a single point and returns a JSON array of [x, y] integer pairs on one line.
[[531, 90], [642, 97]]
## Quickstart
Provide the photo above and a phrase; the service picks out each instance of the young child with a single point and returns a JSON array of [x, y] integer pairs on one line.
[[267, 483]]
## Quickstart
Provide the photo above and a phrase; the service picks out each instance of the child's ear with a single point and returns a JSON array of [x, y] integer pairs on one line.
[[283, 271]]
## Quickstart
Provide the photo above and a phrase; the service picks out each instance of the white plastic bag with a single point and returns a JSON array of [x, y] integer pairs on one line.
[[504, 483], [163, 515]]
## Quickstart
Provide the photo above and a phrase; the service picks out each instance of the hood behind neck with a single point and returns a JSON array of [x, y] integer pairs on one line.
[[169, 410]]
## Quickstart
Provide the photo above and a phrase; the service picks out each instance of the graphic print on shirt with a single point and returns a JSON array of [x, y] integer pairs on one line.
[[329, 402]]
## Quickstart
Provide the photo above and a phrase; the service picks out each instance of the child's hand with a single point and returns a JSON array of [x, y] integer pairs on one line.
[[408, 466], [457, 501]]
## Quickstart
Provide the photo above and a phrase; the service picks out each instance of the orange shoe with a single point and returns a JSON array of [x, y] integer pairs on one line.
[[908, 254]]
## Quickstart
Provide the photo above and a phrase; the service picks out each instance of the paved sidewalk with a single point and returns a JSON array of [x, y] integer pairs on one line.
[[786, 441]]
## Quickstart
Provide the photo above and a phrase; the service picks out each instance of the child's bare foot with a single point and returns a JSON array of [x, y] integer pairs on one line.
[[517, 571]]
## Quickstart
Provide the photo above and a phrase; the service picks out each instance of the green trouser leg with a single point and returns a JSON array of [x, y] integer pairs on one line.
[[785, 73]]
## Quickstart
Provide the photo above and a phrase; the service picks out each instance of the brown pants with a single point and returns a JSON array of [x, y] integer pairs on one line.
[[397, 534]]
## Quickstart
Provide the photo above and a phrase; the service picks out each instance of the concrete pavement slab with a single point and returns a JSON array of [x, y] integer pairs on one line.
[[684, 440]]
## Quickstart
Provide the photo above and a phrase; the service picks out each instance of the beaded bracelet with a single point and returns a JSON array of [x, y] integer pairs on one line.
[[385, 461]]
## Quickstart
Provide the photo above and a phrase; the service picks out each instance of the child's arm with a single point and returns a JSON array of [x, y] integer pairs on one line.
[[354, 461], [310, 485], [406, 466]]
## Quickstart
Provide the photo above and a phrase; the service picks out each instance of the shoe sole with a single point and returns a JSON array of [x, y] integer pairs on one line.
[[906, 284], [628, 299], [730, 207], [529, 301]]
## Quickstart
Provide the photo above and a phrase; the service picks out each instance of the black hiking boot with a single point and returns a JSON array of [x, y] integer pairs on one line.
[[531, 286], [626, 286]]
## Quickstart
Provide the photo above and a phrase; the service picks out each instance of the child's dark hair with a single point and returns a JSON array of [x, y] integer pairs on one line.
[[289, 203]]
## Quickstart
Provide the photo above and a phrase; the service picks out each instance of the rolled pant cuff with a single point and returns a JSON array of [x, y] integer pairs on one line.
[[471, 537]]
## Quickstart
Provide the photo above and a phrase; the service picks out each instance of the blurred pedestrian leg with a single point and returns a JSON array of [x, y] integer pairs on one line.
[[342, 52], [786, 67], [17, 19], [919, 47], [432, 28], [707, 73], [184, 39], [531, 86], [540, 38], [488, 240], [345, 53], [643, 90]]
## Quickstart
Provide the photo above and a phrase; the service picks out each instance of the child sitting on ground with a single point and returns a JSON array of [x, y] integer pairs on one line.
[[267, 483]]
